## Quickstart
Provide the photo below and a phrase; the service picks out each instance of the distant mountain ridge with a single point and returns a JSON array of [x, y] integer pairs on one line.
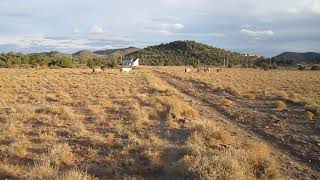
[[119, 52], [295, 58], [87, 54], [54, 54]]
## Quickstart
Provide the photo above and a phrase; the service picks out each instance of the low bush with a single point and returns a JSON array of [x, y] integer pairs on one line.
[[315, 67], [280, 105]]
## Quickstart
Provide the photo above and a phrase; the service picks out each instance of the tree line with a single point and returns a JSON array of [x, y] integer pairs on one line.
[[47, 59]]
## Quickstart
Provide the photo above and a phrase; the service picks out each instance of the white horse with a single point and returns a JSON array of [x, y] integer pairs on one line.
[[125, 70]]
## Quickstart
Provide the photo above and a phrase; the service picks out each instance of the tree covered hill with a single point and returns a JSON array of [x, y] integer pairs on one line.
[[85, 54], [186, 53], [117, 52], [292, 58]]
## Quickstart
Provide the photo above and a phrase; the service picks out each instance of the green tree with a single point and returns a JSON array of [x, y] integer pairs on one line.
[[66, 62]]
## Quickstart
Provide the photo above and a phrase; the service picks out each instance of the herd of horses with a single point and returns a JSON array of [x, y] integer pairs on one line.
[[206, 70], [97, 70]]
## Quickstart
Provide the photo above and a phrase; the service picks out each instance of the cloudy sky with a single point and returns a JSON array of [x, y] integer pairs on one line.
[[264, 27]]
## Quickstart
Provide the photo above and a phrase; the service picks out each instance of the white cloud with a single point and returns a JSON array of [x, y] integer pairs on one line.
[[293, 10], [95, 29], [67, 43], [170, 33], [165, 32], [201, 13], [76, 30], [178, 26], [257, 33], [246, 26], [200, 34], [164, 25], [314, 6], [307, 6]]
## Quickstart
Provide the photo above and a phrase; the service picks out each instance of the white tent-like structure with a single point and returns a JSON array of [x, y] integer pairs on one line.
[[131, 63]]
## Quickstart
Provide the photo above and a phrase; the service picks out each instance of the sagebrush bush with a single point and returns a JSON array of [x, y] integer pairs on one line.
[[280, 105], [227, 103], [60, 154], [309, 115]]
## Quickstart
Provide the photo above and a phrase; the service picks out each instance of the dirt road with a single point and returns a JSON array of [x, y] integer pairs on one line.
[[295, 141]]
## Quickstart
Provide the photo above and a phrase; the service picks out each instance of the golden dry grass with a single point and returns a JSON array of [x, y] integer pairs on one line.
[[294, 85], [70, 124]]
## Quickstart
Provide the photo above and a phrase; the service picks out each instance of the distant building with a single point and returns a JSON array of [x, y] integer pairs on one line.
[[249, 55], [131, 63]]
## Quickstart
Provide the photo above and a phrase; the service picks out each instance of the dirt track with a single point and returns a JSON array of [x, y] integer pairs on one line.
[[295, 142]]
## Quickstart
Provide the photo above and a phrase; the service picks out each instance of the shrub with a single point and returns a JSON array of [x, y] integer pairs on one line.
[[227, 103], [315, 67], [309, 115], [179, 107], [274, 66], [43, 170], [195, 64], [244, 65], [3, 64], [76, 175], [314, 108], [249, 96], [112, 63], [280, 105], [265, 66], [66, 63], [60, 154]]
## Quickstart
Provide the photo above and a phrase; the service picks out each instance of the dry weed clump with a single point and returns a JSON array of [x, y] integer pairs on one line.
[[250, 96], [138, 117], [179, 107], [77, 175], [7, 170], [60, 154], [47, 137], [44, 170], [9, 130], [313, 108], [18, 148], [280, 105], [309, 115], [109, 138], [64, 113], [77, 128], [97, 139], [227, 103], [264, 167]]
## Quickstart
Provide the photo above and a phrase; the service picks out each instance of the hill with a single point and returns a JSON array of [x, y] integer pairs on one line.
[[85, 54], [117, 52], [291, 58], [186, 53], [54, 54]]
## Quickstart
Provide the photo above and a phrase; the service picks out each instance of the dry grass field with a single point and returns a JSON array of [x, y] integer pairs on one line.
[[293, 85], [71, 124]]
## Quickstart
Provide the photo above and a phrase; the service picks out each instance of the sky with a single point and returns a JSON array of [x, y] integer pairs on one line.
[[262, 27]]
